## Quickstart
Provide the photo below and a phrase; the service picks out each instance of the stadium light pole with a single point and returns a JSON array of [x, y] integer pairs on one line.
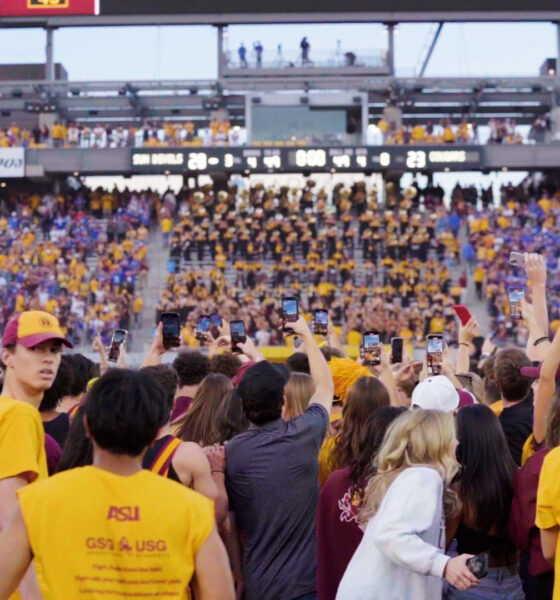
[[220, 29], [49, 51], [391, 48], [557, 49]]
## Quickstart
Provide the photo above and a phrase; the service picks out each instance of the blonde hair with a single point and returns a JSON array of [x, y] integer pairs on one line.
[[297, 394], [416, 438]]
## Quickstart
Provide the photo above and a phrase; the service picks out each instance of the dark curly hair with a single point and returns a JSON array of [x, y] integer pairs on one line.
[[83, 370], [227, 364], [167, 378], [191, 367], [124, 411]]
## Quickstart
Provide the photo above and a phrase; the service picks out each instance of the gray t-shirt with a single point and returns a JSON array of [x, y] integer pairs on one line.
[[271, 479]]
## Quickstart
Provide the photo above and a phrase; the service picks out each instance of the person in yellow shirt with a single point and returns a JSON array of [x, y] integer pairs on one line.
[[548, 513], [31, 355], [138, 530], [166, 225], [137, 306], [479, 277]]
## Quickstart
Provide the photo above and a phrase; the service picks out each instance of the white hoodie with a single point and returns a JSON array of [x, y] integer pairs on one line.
[[401, 556]]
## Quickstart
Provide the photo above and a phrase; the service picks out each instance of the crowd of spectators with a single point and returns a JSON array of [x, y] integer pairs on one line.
[[501, 131], [220, 132], [56, 254], [321, 479], [525, 221], [381, 267], [148, 134]]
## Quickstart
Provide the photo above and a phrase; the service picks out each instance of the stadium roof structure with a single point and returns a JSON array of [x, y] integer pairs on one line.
[[74, 13], [420, 99]]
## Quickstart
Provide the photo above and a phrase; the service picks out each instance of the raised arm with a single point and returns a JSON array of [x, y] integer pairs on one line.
[[387, 376], [545, 388], [535, 267], [536, 333], [333, 339], [156, 349], [318, 366], [467, 333]]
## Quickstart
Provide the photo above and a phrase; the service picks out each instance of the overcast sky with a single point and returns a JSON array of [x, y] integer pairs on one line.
[[189, 52]]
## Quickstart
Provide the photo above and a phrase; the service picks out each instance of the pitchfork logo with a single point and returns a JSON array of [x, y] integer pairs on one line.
[[48, 3]]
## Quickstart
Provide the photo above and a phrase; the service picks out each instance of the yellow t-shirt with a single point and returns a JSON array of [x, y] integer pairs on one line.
[[548, 506], [22, 444], [22, 441], [134, 533], [324, 459], [497, 407]]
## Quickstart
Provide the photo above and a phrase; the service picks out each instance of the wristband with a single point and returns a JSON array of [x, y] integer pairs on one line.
[[464, 344], [541, 339]]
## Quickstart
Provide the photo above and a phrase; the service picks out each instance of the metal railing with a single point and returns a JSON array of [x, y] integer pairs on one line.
[[296, 59]]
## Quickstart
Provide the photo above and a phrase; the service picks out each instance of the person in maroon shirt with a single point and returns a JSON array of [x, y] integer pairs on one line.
[[338, 530], [522, 529], [191, 367]]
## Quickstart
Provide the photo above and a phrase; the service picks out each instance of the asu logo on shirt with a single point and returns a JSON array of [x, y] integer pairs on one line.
[[124, 513]]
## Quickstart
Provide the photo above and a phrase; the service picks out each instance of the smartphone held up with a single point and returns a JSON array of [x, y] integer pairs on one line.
[[203, 325], [238, 334], [320, 322], [515, 295], [290, 313], [371, 349], [171, 329], [119, 337], [434, 354]]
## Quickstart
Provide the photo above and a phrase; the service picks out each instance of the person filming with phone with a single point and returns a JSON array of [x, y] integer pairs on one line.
[[271, 476]]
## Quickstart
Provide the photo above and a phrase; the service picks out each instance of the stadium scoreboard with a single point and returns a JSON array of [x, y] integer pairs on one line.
[[314, 159]]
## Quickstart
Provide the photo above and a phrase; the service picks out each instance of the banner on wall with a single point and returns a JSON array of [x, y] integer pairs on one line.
[[12, 162], [39, 8]]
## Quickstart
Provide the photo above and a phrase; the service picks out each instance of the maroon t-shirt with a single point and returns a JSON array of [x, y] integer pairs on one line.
[[338, 533], [522, 529], [53, 452], [182, 404]]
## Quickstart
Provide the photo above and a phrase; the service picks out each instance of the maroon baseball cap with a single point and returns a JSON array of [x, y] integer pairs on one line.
[[466, 398], [31, 328], [535, 372]]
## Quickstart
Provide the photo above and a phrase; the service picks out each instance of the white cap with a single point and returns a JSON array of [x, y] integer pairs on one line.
[[436, 393]]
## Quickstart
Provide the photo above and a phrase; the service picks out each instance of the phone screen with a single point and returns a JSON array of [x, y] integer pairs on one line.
[[371, 349], [321, 322], [237, 330], [435, 354], [171, 329], [515, 296], [290, 309], [215, 320], [118, 338], [397, 350], [203, 324]]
